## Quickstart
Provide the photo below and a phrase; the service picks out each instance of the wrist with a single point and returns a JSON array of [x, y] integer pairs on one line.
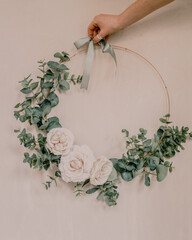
[[120, 22]]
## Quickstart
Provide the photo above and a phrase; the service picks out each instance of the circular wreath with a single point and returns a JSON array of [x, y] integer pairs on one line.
[[54, 144]]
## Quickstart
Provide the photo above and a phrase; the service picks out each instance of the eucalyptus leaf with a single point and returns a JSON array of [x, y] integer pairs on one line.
[[113, 175], [53, 125], [58, 173], [147, 143], [153, 161], [16, 130], [92, 190], [53, 65], [53, 98], [63, 67], [46, 107], [53, 119], [110, 202], [34, 119], [130, 167], [59, 55], [37, 111], [16, 114], [43, 126], [34, 85], [26, 90], [161, 172], [48, 85], [101, 195], [66, 75], [23, 118], [127, 176], [147, 179], [64, 85], [126, 132], [86, 182], [17, 105], [63, 57]]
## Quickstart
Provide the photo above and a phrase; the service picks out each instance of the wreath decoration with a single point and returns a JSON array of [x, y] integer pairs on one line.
[[53, 145]]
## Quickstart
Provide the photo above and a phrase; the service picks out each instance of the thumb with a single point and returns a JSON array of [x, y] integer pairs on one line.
[[101, 34]]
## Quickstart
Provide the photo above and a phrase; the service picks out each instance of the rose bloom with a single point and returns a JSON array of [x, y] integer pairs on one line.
[[100, 171], [60, 141], [76, 166]]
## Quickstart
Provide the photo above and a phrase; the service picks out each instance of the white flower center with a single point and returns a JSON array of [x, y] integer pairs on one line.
[[76, 164]]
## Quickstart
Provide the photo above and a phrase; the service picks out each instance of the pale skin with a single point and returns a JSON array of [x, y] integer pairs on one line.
[[107, 24]]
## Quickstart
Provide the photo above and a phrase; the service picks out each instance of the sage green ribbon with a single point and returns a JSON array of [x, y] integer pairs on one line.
[[106, 48]]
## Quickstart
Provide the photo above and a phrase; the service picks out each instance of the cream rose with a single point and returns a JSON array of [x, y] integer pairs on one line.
[[76, 166], [60, 141], [100, 171]]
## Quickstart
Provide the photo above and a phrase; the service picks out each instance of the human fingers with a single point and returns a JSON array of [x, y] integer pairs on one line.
[[91, 28], [101, 34]]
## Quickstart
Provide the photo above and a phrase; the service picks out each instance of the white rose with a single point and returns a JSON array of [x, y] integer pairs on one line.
[[100, 171], [76, 166], [60, 141]]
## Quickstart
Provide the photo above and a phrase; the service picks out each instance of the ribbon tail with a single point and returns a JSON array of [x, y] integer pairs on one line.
[[88, 66], [106, 48]]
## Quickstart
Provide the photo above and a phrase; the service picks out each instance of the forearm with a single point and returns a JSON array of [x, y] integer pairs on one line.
[[138, 10]]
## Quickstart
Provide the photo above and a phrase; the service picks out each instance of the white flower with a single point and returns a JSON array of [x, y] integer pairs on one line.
[[76, 166], [60, 141], [100, 171]]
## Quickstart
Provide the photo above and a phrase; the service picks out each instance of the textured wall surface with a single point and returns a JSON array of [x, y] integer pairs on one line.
[[33, 30]]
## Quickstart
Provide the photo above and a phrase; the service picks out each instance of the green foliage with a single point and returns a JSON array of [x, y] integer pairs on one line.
[[53, 123], [38, 105], [126, 132], [172, 139], [42, 158], [147, 155], [161, 172], [47, 184], [79, 188], [53, 98], [127, 176], [165, 119], [113, 175], [64, 85], [92, 190], [39, 99], [147, 179], [107, 192], [63, 56], [27, 139]]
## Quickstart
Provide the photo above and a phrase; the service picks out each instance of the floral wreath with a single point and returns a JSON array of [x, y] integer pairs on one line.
[[54, 144]]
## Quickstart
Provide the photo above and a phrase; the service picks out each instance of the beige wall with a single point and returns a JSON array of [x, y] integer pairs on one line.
[[32, 30]]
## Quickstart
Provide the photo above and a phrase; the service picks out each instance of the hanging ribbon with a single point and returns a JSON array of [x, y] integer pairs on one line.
[[106, 48]]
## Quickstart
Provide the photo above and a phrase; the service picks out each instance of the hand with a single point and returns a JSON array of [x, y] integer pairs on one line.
[[104, 25]]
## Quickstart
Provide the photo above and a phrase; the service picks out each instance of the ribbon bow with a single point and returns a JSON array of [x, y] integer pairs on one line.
[[106, 48]]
